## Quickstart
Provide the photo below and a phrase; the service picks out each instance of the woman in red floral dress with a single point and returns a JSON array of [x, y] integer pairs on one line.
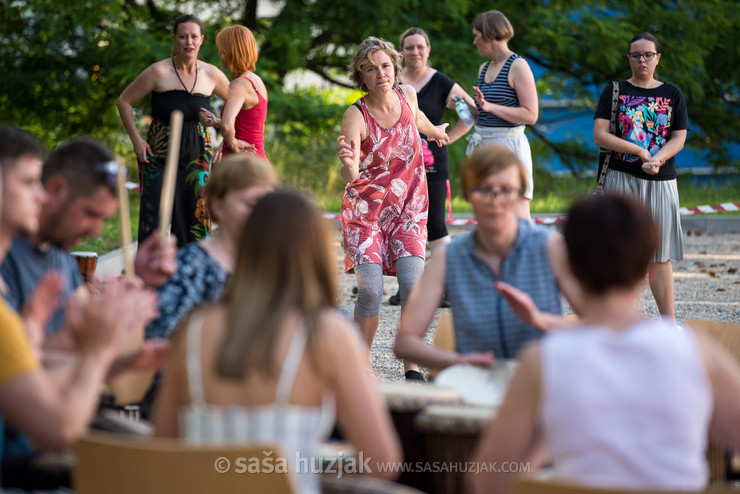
[[384, 210]]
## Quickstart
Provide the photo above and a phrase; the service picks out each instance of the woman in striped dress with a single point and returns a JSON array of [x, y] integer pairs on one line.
[[506, 96]]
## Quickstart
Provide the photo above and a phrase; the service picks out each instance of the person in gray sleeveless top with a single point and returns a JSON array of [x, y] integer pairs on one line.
[[617, 401], [504, 257]]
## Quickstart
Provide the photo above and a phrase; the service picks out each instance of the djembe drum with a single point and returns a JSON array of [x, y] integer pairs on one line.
[[449, 435], [404, 401]]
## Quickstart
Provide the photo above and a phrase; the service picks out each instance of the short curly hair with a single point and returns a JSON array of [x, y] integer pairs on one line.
[[362, 57]]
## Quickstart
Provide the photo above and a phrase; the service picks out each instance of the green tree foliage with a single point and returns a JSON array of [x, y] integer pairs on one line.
[[64, 64]]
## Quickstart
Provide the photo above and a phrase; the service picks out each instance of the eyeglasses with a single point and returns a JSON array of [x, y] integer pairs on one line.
[[502, 196], [109, 169], [648, 55]]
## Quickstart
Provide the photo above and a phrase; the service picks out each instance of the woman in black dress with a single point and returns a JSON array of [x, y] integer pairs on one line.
[[183, 83]]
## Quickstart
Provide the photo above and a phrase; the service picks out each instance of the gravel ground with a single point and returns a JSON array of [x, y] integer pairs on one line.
[[707, 286]]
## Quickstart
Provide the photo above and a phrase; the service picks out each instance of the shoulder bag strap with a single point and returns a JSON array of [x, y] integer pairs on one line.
[[613, 131]]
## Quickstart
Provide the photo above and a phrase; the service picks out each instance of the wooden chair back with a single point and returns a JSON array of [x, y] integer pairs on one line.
[[118, 465], [444, 338], [532, 486], [728, 335]]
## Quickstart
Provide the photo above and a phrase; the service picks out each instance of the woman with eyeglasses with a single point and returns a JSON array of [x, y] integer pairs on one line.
[[181, 82], [503, 257], [506, 96], [617, 401], [652, 125]]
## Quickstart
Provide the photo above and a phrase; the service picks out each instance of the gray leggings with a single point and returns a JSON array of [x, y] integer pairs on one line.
[[370, 283]]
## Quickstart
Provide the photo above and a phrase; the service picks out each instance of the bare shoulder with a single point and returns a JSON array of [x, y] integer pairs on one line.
[[159, 69], [482, 66], [520, 67], [409, 91], [352, 115], [336, 327]]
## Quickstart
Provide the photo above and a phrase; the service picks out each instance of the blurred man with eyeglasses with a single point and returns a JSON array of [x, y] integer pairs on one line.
[[53, 406], [79, 177], [79, 189]]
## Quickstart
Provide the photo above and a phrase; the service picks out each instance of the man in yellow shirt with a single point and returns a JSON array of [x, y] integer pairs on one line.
[[53, 414]]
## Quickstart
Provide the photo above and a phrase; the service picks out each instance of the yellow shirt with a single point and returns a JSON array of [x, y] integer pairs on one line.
[[16, 354]]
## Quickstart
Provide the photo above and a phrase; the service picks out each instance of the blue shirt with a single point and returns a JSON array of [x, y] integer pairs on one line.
[[483, 320], [26, 264]]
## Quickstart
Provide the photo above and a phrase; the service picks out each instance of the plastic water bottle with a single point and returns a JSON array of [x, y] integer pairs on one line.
[[461, 107]]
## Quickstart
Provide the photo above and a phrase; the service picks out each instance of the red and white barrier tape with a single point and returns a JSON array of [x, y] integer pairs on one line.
[[551, 220], [717, 208]]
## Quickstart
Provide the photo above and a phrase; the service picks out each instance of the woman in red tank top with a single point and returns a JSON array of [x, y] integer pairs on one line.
[[243, 115]]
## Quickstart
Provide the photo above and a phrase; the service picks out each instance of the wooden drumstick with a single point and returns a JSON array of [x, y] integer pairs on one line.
[[125, 216], [170, 173]]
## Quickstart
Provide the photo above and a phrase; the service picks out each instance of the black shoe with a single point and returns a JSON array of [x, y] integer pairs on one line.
[[395, 299], [413, 375]]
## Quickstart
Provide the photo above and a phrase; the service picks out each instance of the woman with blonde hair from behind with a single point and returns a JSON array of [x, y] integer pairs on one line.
[[276, 355]]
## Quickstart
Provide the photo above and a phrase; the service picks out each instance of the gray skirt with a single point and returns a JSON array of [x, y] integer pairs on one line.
[[660, 197]]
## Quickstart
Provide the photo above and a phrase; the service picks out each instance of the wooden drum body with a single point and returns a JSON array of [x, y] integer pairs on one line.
[[450, 434], [87, 261], [405, 400]]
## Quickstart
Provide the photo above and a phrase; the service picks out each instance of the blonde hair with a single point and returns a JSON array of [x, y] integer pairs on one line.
[[237, 171], [493, 25], [284, 264], [237, 46], [362, 57], [485, 161]]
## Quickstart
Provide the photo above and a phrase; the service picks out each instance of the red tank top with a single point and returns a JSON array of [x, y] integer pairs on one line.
[[249, 125]]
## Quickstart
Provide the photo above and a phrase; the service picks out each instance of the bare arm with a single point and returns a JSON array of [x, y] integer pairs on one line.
[[170, 396], [524, 307], [557, 255], [221, 82], [418, 315], [724, 377], [360, 409], [669, 150], [459, 91], [353, 132], [460, 129], [433, 132], [603, 138], [239, 91], [521, 80], [140, 87], [55, 417], [51, 419], [514, 434]]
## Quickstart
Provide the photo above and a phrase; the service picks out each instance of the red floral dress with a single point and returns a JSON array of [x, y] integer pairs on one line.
[[384, 211]]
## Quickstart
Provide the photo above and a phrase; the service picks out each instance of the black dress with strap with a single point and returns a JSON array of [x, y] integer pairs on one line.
[[190, 219]]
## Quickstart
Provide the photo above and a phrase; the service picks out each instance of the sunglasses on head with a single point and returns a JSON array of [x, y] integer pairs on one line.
[[109, 169]]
